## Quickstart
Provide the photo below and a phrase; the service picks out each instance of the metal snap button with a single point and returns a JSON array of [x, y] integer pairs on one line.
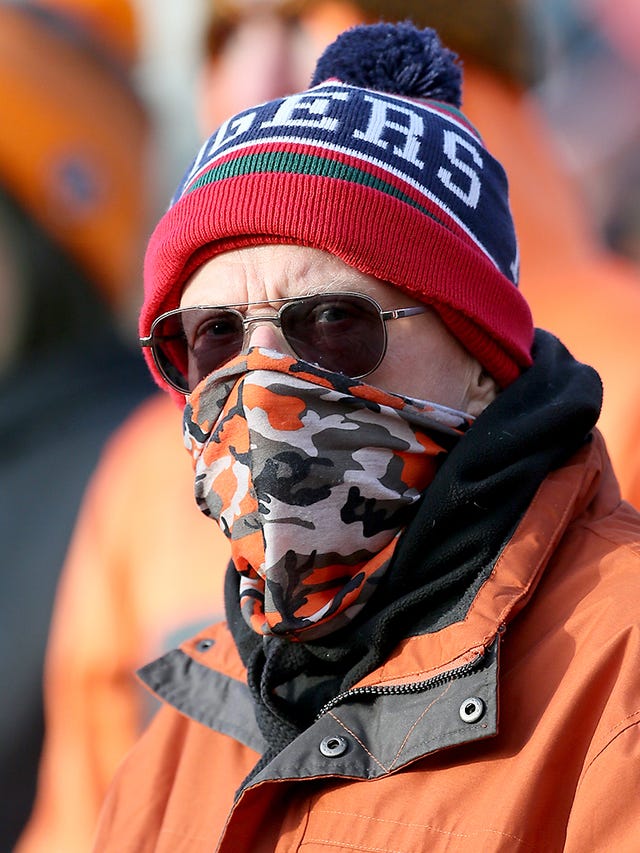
[[334, 746], [472, 709], [204, 645]]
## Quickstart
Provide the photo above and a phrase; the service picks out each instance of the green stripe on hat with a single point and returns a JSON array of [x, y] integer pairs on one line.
[[304, 164]]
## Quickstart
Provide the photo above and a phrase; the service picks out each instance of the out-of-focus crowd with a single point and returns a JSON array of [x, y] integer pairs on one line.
[[590, 95]]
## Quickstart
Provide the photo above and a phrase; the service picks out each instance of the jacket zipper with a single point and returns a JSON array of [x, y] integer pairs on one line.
[[399, 689]]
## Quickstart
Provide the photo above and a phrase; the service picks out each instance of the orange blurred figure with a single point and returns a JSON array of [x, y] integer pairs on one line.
[[73, 211]]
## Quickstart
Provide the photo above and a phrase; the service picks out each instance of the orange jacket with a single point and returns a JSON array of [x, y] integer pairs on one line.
[[517, 728], [589, 299]]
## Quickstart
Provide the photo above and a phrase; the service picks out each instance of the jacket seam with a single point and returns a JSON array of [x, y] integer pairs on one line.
[[616, 731], [358, 741], [399, 823], [412, 728], [442, 666], [415, 723]]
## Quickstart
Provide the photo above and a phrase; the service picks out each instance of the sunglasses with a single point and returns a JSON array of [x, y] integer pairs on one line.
[[340, 332]]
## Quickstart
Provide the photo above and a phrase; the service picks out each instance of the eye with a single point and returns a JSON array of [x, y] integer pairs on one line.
[[218, 326], [333, 312], [330, 314]]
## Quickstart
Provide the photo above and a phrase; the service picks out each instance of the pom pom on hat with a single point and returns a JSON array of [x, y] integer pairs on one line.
[[394, 58], [376, 165]]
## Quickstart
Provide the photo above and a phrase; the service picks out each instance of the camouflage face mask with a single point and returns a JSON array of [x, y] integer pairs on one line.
[[312, 476]]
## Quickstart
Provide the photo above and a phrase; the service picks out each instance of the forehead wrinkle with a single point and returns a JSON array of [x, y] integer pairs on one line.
[[319, 272], [295, 272]]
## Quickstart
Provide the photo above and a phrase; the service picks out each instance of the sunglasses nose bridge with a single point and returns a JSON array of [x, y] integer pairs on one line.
[[268, 318], [259, 331]]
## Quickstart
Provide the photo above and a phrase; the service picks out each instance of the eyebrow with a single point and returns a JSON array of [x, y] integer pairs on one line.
[[342, 281]]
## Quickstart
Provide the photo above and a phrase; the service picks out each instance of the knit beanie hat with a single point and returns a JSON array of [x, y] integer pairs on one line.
[[375, 164], [73, 149]]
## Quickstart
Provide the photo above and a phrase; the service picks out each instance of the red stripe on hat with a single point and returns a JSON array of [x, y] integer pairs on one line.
[[351, 221]]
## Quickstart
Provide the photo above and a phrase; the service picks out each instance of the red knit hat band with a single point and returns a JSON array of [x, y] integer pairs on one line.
[[418, 255]]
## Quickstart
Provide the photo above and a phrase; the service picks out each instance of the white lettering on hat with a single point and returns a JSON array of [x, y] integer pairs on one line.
[[470, 196], [311, 104], [379, 121], [231, 128], [227, 131]]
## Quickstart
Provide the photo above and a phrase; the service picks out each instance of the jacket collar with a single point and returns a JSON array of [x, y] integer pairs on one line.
[[435, 690]]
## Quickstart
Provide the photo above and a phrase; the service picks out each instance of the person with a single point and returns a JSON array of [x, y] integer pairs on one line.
[[278, 40], [596, 58], [432, 604], [72, 215], [120, 563]]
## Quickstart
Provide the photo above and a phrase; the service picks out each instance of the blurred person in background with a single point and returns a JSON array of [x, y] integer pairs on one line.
[[131, 543], [594, 58], [72, 221], [619, 23]]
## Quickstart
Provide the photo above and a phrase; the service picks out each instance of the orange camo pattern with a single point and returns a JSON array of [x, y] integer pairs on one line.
[[312, 476]]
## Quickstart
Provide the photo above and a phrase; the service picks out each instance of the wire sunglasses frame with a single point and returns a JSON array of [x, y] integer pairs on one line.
[[368, 305]]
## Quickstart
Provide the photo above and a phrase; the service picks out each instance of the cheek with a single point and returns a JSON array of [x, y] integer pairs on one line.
[[436, 371]]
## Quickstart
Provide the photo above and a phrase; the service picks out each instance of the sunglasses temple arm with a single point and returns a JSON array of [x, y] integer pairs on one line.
[[399, 313]]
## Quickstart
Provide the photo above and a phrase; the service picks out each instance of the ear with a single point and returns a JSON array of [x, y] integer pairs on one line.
[[482, 390]]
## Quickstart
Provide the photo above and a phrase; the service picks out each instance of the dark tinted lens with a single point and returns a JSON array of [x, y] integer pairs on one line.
[[195, 341], [342, 333], [170, 350]]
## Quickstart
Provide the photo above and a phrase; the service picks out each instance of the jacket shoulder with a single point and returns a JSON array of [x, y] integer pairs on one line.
[[148, 802]]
